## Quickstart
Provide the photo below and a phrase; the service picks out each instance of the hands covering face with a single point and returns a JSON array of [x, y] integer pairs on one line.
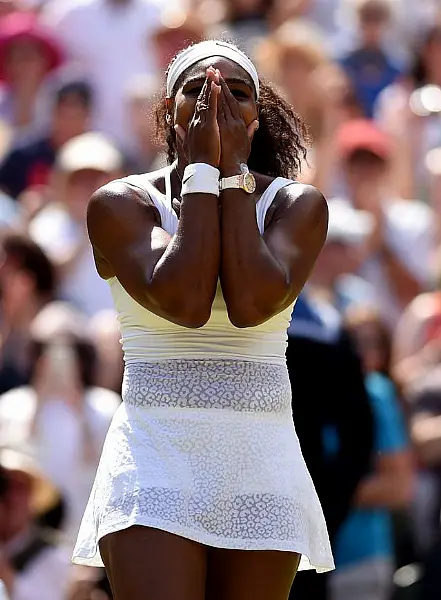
[[217, 133]]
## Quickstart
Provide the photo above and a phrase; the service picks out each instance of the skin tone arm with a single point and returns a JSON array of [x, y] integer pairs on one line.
[[174, 277], [426, 435], [391, 484], [262, 275]]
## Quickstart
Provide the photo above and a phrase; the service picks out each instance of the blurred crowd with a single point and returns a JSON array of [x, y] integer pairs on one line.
[[79, 80]]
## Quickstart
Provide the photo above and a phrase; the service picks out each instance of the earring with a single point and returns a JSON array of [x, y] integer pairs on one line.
[[168, 118], [257, 126]]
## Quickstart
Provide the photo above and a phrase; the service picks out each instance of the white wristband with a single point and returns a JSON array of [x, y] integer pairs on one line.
[[200, 178]]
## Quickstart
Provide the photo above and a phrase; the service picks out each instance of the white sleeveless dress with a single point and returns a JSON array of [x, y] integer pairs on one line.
[[203, 445]]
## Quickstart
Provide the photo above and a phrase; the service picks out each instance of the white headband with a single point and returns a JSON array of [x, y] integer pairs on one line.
[[203, 50]]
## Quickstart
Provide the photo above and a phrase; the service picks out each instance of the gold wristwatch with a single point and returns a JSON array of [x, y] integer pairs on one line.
[[245, 181]]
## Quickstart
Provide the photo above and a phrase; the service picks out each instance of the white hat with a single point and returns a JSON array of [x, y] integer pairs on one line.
[[347, 224], [91, 150], [14, 460]]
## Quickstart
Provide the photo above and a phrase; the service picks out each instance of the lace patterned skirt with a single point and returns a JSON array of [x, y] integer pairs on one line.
[[206, 449]]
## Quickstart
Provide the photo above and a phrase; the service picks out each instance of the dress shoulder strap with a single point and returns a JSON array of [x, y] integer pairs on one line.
[[169, 220], [267, 199]]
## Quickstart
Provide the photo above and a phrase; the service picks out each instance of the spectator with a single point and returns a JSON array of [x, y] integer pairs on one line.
[[410, 120], [141, 98], [364, 547], [83, 165], [61, 413], [31, 564], [369, 67], [290, 57], [110, 40], [28, 54], [27, 283], [245, 20], [399, 247], [335, 273], [336, 402], [416, 339], [177, 29], [29, 165], [423, 396], [295, 57], [89, 584]]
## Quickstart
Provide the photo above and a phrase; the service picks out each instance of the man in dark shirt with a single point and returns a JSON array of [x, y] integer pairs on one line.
[[329, 397], [29, 166]]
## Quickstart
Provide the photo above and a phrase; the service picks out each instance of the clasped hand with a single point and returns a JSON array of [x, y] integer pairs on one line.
[[217, 133]]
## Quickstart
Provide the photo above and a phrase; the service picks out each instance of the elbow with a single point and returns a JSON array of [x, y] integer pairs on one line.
[[193, 314], [243, 319], [193, 317]]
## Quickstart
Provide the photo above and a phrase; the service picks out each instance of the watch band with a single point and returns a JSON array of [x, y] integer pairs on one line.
[[236, 181], [245, 181]]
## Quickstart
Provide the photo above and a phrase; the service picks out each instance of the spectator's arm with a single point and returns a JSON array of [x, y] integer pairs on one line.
[[391, 484], [425, 430], [404, 283]]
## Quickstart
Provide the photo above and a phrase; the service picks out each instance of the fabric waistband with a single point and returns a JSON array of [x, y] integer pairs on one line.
[[219, 384]]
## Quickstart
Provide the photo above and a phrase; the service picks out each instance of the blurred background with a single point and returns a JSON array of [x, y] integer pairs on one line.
[[79, 79]]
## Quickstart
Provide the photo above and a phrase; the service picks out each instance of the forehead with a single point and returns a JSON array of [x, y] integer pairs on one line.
[[228, 69]]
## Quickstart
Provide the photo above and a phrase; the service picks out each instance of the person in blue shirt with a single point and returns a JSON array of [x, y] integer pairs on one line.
[[364, 545], [369, 66]]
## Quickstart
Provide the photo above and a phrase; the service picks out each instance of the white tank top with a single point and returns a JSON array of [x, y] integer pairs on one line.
[[147, 337]]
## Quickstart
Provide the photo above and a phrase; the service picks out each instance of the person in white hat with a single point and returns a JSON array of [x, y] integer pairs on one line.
[[83, 164], [32, 565]]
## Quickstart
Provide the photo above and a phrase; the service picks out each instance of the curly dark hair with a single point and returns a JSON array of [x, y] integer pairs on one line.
[[279, 145]]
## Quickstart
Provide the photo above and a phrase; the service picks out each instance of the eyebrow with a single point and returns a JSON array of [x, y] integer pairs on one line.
[[229, 80]]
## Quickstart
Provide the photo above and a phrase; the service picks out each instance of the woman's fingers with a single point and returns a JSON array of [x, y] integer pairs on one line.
[[213, 100], [231, 100], [203, 93], [221, 108], [252, 128], [180, 132]]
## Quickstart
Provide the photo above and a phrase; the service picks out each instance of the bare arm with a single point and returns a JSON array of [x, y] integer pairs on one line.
[[391, 484], [426, 434], [174, 277], [262, 275]]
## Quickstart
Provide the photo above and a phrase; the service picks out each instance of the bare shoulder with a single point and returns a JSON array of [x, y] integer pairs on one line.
[[119, 201], [300, 204]]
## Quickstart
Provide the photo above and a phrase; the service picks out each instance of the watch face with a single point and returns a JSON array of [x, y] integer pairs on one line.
[[249, 183]]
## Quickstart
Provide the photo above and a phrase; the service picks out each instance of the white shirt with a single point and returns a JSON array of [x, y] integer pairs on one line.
[[46, 577], [409, 234], [82, 286], [111, 44], [58, 440]]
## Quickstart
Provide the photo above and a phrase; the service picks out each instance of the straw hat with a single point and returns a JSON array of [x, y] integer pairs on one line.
[[15, 462]]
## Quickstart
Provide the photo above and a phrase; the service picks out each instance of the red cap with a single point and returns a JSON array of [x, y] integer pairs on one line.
[[26, 26], [363, 134]]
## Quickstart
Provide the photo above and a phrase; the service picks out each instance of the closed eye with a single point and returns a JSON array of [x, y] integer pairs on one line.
[[193, 90], [240, 94]]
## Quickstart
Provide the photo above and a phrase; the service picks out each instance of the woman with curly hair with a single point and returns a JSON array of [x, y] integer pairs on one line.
[[202, 491]]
